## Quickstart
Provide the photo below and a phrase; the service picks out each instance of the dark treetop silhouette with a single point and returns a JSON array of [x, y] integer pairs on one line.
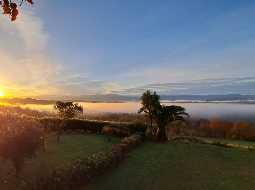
[[68, 110], [161, 114], [10, 7], [150, 102]]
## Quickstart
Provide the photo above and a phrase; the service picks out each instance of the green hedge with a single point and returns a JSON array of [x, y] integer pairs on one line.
[[83, 171], [121, 129]]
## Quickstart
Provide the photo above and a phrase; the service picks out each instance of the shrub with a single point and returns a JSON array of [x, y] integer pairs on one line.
[[243, 130], [220, 129], [136, 127], [20, 141], [116, 131], [108, 128], [78, 124], [82, 171], [117, 117], [50, 124]]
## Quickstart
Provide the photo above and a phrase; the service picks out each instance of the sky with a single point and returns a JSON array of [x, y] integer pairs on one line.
[[82, 47]]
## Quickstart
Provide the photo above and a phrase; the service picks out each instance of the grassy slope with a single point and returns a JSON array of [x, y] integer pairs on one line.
[[183, 167], [71, 147], [229, 141]]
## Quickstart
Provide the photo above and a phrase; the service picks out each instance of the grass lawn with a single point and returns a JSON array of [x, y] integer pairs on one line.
[[71, 147], [230, 141], [180, 166]]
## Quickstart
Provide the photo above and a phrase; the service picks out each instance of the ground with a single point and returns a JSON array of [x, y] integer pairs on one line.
[[181, 166], [151, 166], [71, 147]]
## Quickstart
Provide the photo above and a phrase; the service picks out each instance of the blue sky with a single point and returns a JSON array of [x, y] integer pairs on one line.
[[117, 46]]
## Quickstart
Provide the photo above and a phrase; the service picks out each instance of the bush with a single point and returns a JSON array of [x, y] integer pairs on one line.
[[219, 129], [137, 127], [78, 124], [118, 129], [20, 140], [118, 117], [82, 171], [55, 124], [115, 131]]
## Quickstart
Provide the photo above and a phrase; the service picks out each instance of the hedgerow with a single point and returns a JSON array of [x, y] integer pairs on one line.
[[112, 128], [82, 171]]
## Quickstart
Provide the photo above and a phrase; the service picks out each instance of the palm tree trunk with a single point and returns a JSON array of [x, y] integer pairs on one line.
[[162, 134]]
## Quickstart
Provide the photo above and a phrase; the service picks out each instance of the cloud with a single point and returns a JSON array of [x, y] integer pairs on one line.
[[240, 85], [26, 66]]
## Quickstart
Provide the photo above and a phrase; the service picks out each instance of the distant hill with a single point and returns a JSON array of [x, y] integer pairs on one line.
[[107, 98], [125, 98], [26, 101], [223, 97]]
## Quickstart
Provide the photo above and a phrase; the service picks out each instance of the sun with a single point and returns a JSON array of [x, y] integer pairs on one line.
[[2, 94]]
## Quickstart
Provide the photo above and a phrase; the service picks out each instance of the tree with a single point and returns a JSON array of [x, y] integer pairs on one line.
[[150, 103], [10, 7], [161, 114], [165, 115], [68, 110]]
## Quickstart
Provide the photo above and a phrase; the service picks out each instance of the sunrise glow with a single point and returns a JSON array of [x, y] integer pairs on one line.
[[2, 94]]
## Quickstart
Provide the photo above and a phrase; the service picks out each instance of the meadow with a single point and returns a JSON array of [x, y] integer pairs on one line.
[[181, 166], [102, 152], [57, 155]]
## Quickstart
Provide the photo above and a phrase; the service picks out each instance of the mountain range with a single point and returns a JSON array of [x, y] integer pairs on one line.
[[126, 98]]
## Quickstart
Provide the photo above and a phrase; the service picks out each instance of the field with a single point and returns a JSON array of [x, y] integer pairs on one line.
[[181, 166], [186, 162], [70, 148]]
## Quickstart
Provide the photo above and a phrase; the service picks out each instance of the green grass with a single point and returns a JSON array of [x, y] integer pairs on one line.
[[57, 155], [230, 141], [180, 166]]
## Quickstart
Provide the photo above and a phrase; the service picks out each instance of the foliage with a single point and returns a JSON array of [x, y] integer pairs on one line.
[[84, 170], [10, 7], [115, 131], [20, 140], [51, 124], [21, 112], [160, 113], [216, 128], [117, 117], [167, 114], [68, 109], [150, 103]]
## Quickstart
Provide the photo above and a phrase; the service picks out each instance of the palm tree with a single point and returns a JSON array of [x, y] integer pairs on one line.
[[150, 103], [165, 115]]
